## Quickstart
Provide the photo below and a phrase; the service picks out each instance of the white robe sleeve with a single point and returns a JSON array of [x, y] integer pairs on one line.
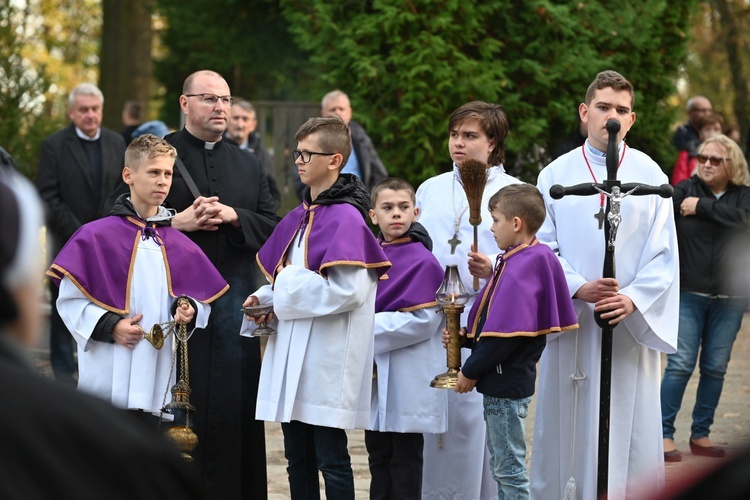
[[265, 297], [395, 329], [547, 234], [655, 289], [202, 313], [79, 314], [301, 293]]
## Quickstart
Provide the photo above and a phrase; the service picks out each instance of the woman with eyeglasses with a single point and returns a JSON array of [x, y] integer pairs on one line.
[[712, 215]]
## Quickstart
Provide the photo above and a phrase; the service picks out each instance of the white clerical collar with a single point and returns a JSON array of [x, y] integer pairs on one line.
[[83, 136], [591, 149], [206, 144]]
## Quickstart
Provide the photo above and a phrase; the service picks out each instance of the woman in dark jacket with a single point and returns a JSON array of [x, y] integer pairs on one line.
[[712, 215]]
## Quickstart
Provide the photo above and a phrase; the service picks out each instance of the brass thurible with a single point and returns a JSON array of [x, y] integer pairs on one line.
[[181, 433]]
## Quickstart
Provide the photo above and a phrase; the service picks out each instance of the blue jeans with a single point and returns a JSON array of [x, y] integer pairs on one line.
[[506, 439], [309, 448], [708, 325]]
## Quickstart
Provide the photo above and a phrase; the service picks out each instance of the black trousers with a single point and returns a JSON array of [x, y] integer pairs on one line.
[[395, 461]]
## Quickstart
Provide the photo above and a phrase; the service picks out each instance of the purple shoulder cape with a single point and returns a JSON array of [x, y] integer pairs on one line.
[[100, 256], [334, 235], [526, 296], [414, 277]]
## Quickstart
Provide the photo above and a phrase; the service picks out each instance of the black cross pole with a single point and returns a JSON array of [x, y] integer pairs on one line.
[[611, 188]]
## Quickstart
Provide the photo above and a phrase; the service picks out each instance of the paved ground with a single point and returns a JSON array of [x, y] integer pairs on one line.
[[731, 428]]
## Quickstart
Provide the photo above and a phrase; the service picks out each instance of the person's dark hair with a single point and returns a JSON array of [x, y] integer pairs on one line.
[[20, 253], [8, 239], [493, 122], [134, 110], [710, 119], [394, 184], [613, 79], [523, 201], [333, 134]]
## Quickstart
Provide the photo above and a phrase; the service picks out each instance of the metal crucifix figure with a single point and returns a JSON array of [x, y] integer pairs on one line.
[[614, 192]]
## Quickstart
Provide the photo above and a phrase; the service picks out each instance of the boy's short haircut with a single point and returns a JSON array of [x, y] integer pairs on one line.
[[613, 79], [395, 184], [333, 133], [145, 147], [492, 120], [523, 201]]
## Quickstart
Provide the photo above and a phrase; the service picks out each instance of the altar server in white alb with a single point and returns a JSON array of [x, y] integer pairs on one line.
[[323, 263], [642, 302], [408, 350], [121, 275], [456, 463]]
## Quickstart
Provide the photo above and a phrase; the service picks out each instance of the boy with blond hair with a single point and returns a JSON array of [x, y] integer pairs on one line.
[[128, 269]]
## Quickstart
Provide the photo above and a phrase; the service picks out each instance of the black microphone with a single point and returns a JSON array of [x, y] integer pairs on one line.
[[613, 126]]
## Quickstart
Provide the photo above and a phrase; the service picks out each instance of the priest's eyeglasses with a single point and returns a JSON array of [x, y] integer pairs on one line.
[[307, 155], [212, 99], [715, 160]]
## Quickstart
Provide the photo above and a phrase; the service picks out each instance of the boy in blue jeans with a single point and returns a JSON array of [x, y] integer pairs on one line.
[[526, 298]]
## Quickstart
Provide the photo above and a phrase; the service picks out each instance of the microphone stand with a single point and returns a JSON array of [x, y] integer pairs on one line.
[[615, 192]]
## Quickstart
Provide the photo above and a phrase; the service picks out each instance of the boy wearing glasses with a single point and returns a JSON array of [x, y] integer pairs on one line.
[[120, 275], [323, 265], [642, 301]]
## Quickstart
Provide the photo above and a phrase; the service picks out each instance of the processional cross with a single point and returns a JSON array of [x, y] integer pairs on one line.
[[615, 192]]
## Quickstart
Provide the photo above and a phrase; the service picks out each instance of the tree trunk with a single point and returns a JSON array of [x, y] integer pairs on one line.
[[732, 39], [125, 66]]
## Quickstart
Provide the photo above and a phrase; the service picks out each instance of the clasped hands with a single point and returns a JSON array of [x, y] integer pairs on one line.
[[603, 293], [127, 332], [205, 214]]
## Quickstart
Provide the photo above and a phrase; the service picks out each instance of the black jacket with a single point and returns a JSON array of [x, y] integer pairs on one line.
[[59, 443], [254, 146], [714, 244], [66, 184], [686, 138]]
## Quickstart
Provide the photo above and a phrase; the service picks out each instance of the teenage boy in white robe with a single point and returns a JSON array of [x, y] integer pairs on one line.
[[456, 464], [122, 274], [642, 301], [323, 263]]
